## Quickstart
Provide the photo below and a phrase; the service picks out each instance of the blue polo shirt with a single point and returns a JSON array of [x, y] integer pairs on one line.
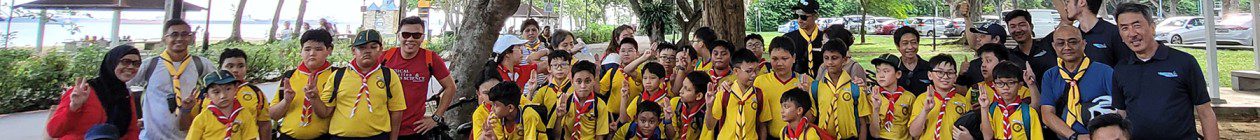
[[1095, 93], [1103, 43], [1159, 94]]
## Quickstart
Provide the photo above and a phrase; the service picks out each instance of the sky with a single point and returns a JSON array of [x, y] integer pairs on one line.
[[335, 10]]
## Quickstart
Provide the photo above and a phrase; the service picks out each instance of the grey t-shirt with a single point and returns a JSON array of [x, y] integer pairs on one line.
[[159, 122]]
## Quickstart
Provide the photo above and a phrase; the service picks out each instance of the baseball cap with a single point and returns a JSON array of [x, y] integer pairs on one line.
[[506, 41], [103, 131], [365, 37], [992, 29], [807, 6], [219, 77], [886, 59]]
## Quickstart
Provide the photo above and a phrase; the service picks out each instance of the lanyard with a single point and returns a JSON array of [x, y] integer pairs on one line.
[[364, 95]]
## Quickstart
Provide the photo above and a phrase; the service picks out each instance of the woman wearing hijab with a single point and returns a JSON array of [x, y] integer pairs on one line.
[[104, 100]]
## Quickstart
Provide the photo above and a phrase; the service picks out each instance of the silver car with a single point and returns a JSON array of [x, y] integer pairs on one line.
[[1234, 29], [1164, 31]]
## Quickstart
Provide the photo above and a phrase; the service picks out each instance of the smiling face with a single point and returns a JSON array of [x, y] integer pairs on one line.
[[236, 66], [943, 76], [127, 67], [411, 36], [908, 46], [683, 62], [566, 43], [315, 53], [1021, 30], [178, 37], [1137, 32], [1068, 45]]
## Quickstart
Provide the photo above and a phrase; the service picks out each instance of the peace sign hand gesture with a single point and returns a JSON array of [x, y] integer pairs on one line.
[[78, 94]]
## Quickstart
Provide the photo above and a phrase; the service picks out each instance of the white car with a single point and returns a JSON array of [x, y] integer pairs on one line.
[[871, 24], [929, 26], [1233, 29], [1164, 30]]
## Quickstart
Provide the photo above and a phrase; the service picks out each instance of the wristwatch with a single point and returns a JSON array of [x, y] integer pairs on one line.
[[437, 118]]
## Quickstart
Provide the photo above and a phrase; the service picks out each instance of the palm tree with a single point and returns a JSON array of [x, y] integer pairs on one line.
[[298, 25], [236, 24], [275, 19]]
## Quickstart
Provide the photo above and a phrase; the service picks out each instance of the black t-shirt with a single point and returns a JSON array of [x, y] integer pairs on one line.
[[1102, 43], [802, 51], [1160, 94], [915, 80], [1042, 56]]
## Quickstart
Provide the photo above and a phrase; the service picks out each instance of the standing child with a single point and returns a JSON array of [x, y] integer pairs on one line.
[[739, 113], [579, 114], [558, 83], [840, 108], [686, 112], [646, 125], [1009, 117], [795, 104], [654, 91], [779, 80], [509, 120], [226, 118], [616, 78], [293, 108], [482, 113], [938, 108], [355, 94], [251, 98], [891, 103]]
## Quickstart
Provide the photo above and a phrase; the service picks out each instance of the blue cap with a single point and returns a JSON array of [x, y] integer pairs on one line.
[[103, 131]]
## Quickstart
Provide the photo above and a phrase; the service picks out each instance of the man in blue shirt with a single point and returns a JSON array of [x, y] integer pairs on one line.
[[1076, 90], [1161, 89]]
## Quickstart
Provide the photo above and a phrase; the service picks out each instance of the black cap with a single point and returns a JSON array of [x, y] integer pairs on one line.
[[103, 131], [886, 59], [807, 6], [992, 29]]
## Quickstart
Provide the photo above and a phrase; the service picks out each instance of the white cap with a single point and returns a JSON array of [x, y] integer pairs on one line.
[[505, 41]]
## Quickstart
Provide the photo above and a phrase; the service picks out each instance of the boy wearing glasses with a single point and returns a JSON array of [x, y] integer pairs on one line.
[[989, 56], [936, 110], [1009, 116], [415, 65], [558, 83], [1075, 87]]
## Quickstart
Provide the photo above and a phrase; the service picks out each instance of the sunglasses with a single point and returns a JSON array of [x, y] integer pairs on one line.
[[412, 35], [802, 16]]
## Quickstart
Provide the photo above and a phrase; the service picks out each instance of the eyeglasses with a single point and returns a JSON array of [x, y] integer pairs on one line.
[[1003, 84], [411, 35], [946, 72], [802, 16], [1060, 43], [129, 62], [181, 34], [561, 65]]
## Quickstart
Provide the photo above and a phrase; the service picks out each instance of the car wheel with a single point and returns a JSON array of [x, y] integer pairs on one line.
[[1176, 39]]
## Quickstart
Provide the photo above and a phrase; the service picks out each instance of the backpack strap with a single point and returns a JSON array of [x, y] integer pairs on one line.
[[1027, 123], [632, 130], [201, 68], [389, 74], [338, 74], [148, 71], [857, 96], [813, 89]]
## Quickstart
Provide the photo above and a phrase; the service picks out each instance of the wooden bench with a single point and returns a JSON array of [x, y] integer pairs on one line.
[[1245, 80]]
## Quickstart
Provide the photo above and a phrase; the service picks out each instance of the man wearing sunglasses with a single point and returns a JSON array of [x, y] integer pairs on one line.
[[415, 65], [169, 81], [807, 38]]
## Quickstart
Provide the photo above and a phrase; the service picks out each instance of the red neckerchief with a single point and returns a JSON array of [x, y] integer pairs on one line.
[[940, 115], [311, 78], [642, 136], [1007, 110], [227, 119], [892, 100], [688, 118], [584, 107], [653, 96], [795, 134], [715, 75], [364, 95]]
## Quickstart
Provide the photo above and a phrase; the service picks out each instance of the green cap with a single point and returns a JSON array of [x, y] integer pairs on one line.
[[886, 59], [365, 37], [219, 77]]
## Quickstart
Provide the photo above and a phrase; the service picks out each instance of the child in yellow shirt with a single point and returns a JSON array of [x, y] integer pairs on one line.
[[225, 118], [579, 114], [509, 121], [891, 103], [937, 109], [1009, 117], [654, 90], [739, 107], [646, 125], [686, 115], [795, 104]]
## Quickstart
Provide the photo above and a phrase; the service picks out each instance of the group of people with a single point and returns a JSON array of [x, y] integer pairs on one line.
[[1095, 80]]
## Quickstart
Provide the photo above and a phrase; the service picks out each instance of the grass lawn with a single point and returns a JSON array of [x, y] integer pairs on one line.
[[1227, 60]]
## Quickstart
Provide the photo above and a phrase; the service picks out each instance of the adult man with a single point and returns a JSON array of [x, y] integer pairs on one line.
[[1078, 88], [1039, 56], [350, 101], [806, 38], [914, 70], [1103, 42], [415, 65], [1160, 89], [169, 81]]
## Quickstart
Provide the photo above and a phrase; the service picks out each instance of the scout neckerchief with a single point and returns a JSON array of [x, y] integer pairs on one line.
[[312, 75], [837, 93], [511, 129], [940, 114], [781, 81], [1073, 91], [715, 75], [642, 136], [647, 96], [1007, 110], [175, 72], [892, 100], [584, 106], [797, 133], [364, 94], [747, 96], [228, 120], [557, 86], [809, 39], [688, 118]]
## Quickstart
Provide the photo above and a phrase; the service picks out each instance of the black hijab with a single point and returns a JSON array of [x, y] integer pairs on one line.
[[113, 92]]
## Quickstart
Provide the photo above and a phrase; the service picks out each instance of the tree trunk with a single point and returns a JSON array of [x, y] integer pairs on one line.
[[688, 16], [236, 24], [275, 20], [1172, 7], [299, 25], [862, 29], [477, 33], [726, 17]]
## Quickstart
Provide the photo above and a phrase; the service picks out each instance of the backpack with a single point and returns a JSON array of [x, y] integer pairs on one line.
[[542, 114], [726, 99], [1023, 109], [339, 73], [854, 89], [153, 62]]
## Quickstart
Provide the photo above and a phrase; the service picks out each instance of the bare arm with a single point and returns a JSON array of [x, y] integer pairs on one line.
[[918, 124], [395, 121], [763, 130], [1207, 119], [985, 128], [264, 129], [448, 94], [1056, 124]]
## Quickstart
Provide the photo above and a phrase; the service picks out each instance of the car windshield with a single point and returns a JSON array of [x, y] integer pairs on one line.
[[1173, 23]]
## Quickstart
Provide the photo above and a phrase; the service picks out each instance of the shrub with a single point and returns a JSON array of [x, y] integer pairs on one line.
[[33, 82], [595, 33]]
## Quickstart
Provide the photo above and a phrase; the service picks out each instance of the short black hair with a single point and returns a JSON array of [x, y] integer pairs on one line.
[[231, 53], [529, 22], [1130, 7], [753, 36], [1110, 119], [654, 69], [666, 46], [645, 107], [706, 35], [1006, 69], [837, 32], [941, 59], [581, 66], [560, 55], [490, 73], [1016, 14], [725, 46], [507, 93], [411, 20], [971, 121], [700, 80], [1094, 5], [558, 36], [836, 46], [627, 41], [743, 56], [903, 31], [998, 51], [173, 22], [317, 35], [798, 96], [782, 43]]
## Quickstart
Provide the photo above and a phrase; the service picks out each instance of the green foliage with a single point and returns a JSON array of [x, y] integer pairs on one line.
[[440, 43], [595, 33], [658, 12], [19, 90], [767, 15]]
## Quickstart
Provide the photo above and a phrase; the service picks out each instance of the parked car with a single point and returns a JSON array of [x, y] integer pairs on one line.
[[1233, 29], [1043, 20], [956, 27], [788, 27], [887, 27], [929, 26], [871, 24]]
